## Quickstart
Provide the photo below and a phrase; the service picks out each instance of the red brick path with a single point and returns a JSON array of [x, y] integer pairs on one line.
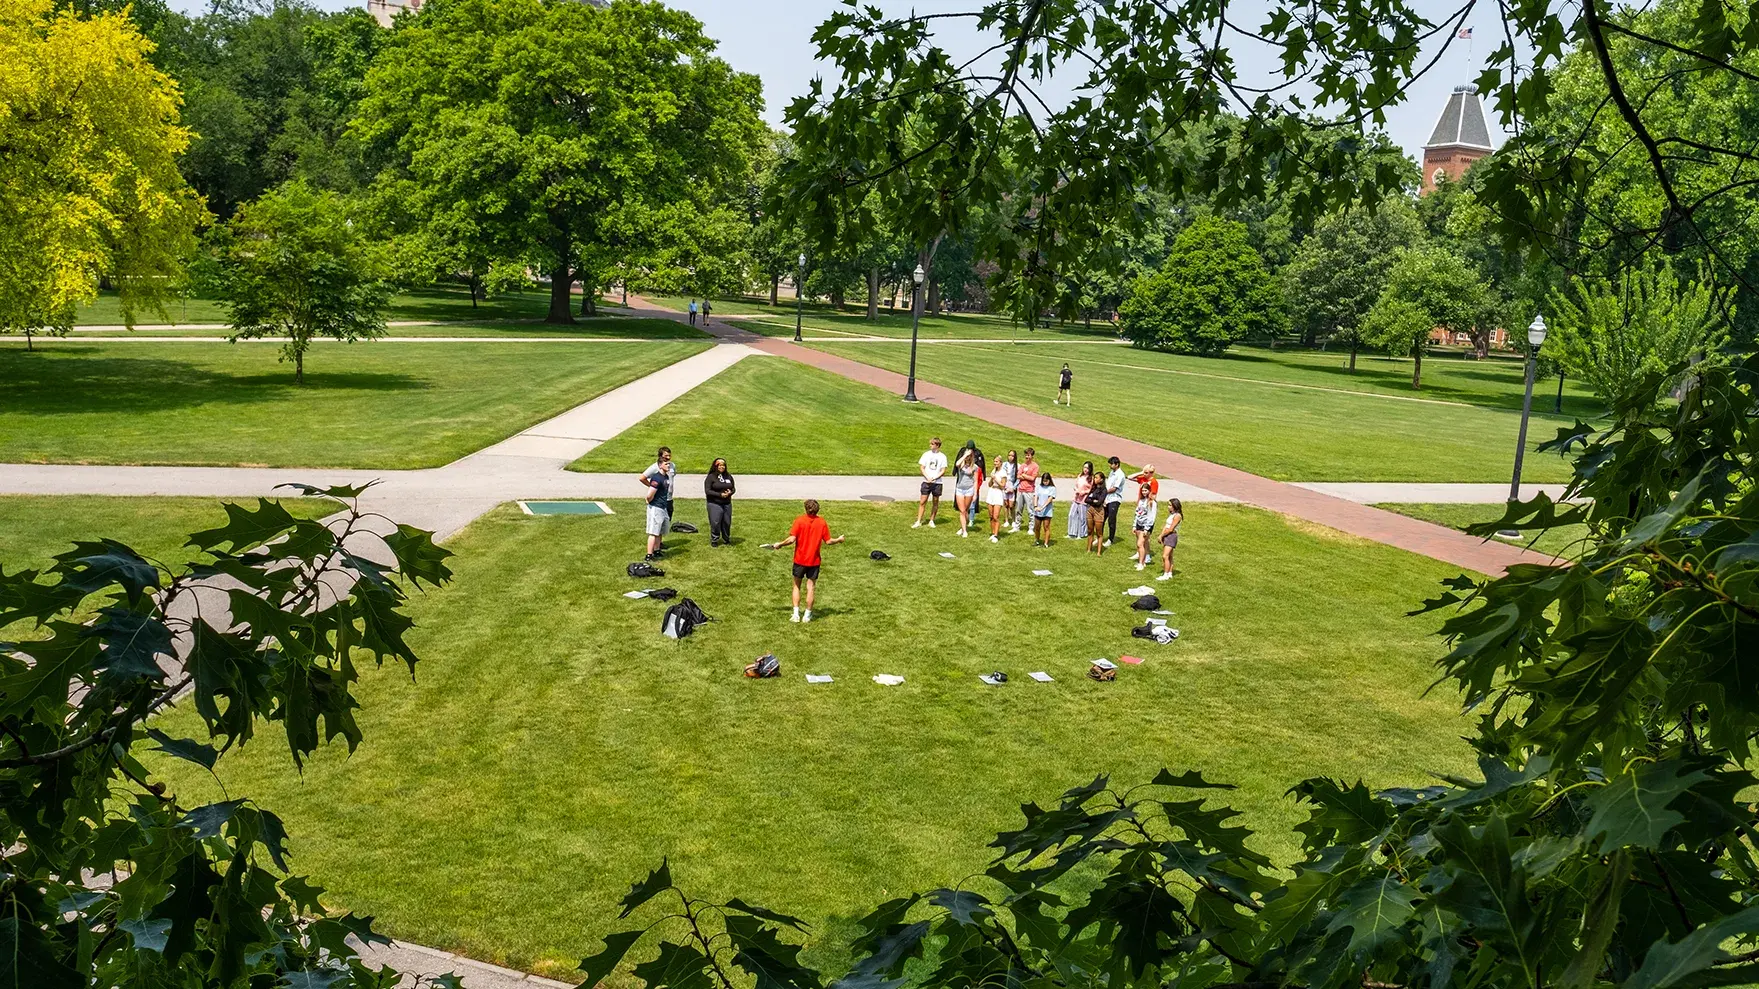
[[1391, 528]]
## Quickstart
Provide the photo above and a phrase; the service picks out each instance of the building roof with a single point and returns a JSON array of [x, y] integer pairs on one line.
[[1462, 122]]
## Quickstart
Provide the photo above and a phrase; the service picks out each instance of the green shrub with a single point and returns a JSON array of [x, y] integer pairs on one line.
[[1213, 290]]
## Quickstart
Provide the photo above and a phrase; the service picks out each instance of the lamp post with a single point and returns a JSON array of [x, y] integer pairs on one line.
[[799, 277], [1535, 340], [915, 319]]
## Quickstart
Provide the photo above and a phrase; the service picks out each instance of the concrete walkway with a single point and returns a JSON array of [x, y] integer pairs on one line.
[[1404, 532]]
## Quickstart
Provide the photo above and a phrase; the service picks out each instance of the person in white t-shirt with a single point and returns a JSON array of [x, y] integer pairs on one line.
[[933, 466]]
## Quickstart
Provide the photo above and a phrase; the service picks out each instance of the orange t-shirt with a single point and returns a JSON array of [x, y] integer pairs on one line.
[[809, 532]]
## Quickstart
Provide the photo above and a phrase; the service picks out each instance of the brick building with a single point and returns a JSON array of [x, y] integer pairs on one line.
[[1460, 138]]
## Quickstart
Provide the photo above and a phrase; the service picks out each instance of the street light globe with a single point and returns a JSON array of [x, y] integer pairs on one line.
[[1536, 332], [917, 274], [803, 260]]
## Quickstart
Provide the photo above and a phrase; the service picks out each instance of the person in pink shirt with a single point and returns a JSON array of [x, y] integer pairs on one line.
[[1028, 484]]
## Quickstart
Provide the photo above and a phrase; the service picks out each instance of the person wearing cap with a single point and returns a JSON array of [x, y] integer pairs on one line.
[[1114, 496]]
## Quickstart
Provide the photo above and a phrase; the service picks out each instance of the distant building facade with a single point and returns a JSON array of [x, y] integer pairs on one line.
[[384, 11], [1460, 138]]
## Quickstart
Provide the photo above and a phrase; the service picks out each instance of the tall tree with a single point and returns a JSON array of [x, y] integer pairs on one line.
[[1212, 290], [1340, 269], [1427, 288], [564, 135], [89, 186], [1649, 322]]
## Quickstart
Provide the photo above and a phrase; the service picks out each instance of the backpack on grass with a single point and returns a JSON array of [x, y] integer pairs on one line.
[[1146, 602], [643, 569], [766, 666], [662, 594], [1101, 673], [879, 554], [681, 619], [683, 527]]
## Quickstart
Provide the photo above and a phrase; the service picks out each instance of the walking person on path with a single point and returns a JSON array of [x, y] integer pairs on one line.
[[1044, 508], [659, 477], [808, 534], [718, 488], [1078, 501], [1094, 506], [966, 471], [1027, 475], [995, 492], [705, 312], [1114, 497], [1169, 537], [1064, 379], [1146, 509], [692, 312], [933, 466]]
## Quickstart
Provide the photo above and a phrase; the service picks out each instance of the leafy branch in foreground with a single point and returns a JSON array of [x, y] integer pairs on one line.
[[1610, 840], [106, 879]]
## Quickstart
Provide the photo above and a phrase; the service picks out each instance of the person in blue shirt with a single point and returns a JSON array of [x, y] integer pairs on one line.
[[659, 478]]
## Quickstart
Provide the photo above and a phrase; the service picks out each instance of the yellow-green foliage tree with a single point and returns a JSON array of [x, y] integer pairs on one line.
[[89, 186]]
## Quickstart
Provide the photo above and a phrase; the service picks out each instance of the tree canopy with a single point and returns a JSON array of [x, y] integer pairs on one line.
[[1212, 290]]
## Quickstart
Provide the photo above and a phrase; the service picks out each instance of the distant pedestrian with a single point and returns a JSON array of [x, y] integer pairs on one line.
[[933, 466], [1078, 501], [808, 534], [1169, 537], [1044, 508], [692, 312], [995, 498], [1064, 380], [705, 312], [1027, 475], [718, 488], [1146, 509], [659, 478], [1114, 497]]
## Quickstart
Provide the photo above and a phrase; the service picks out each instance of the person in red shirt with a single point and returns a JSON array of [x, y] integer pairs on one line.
[[1147, 477], [809, 533]]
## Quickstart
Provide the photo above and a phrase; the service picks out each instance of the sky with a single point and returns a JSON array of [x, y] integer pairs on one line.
[[773, 39]]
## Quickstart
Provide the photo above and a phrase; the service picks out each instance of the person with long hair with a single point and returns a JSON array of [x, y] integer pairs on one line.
[[1044, 508], [1010, 469], [1095, 507], [1078, 502], [717, 487], [966, 470], [1146, 509], [1169, 537], [995, 492]]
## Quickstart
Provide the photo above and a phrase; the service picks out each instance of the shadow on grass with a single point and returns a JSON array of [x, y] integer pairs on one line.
[[68, 380]]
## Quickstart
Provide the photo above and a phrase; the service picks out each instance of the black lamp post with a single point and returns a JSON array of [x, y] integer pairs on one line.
[[1535, 339], [799, 277], [915, 320]]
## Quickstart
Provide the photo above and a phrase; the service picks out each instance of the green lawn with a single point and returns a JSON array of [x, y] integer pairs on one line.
[[554, 746], [602, 327], [820, 319], [788, 418], [1565, 541], [1286, 418], [446, 302], [383, 405]]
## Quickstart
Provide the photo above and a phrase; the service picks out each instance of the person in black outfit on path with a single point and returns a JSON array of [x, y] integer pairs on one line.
[[718, 488]]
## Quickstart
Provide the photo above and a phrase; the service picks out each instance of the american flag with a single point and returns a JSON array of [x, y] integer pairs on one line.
[[1465, 34]]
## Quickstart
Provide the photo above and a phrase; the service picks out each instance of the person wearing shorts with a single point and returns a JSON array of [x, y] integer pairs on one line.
[[1094, 505], [1010, 471], [808, 535], [995, 494], [966, 471], [658, 478], [1064, 380], [1146, 509], [1027, 475], [932, 466], [1169, 537], [1114, 497], [1044, 508]]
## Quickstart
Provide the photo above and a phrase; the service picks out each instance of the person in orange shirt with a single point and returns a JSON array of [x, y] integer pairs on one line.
[[809, 533], [1147, 477]]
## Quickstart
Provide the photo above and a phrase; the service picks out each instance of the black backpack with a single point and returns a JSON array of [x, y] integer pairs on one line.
[[683, 527], [766, 666], [1143, 632], [643, 569], [1146, 602], [879, 554], [681, 619], [662, 594]]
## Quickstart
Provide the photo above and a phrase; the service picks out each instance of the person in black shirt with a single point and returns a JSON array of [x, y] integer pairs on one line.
[[1064, 380], [718, 488]]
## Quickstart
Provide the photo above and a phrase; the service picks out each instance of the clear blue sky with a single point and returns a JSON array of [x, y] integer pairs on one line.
[[773, 38]]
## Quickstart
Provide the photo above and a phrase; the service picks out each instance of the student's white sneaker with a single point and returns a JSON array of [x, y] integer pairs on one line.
[[931, 523], [1141, 566], [805, 617], [993, 539], [1108, 542], [1164, 576], [796, 615], [916, 524], [962, 535]]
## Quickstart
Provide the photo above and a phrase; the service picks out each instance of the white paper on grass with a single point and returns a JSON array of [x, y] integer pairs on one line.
[[948, 556], [635, 594], [1040, 677], [817, 678], [1041, 573], [992, 681], [887, 679], [1105, 664], [1163, 611], [1157, 621], [1140, 590]]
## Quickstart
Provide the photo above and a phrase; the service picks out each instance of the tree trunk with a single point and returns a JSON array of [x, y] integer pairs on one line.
[[934, 297], [775, 287], [588, 301], [1353, 346], [475, 287], [299, 366], [873, 293], [837, 297], [28, 346], [1417, 369], [561, 287]]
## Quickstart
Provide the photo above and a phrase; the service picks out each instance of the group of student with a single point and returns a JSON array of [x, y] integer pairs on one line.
[[1015, 488]]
